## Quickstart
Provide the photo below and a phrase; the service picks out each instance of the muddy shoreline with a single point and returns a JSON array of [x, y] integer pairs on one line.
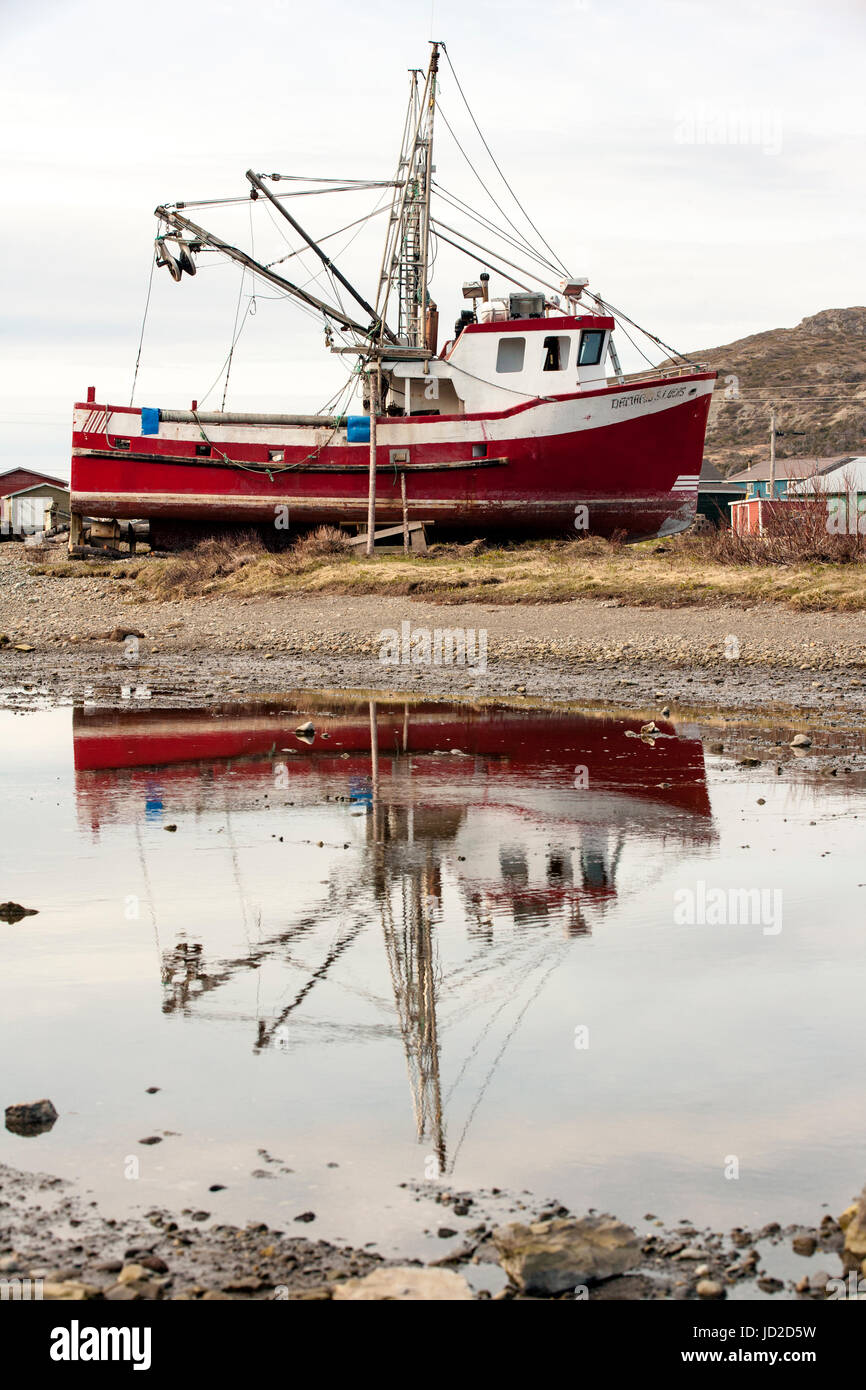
[[56, 1238], [194, 677]]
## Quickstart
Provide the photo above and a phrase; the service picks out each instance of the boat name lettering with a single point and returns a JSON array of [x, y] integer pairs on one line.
[[644, 397]]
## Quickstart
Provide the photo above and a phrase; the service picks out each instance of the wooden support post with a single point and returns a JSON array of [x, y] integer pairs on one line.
[[371, 493], [405, 512], [772, 452], [75, 529]]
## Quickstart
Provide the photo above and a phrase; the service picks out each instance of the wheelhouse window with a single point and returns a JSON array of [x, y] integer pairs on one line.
[[591, 343], [509, 357], [556, 350]]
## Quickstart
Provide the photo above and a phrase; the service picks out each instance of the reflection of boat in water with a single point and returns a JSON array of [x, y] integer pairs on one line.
[[510, 822]]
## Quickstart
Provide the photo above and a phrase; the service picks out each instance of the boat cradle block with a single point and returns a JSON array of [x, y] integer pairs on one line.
[[149, 420], [358, 429]]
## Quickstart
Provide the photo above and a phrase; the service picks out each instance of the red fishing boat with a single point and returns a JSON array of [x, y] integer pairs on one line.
[[522, 423]]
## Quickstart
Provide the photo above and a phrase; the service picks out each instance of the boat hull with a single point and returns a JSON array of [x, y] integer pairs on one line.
[[619, 459]]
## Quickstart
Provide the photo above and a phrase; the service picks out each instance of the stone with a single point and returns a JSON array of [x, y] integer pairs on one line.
[[710, 1288], [801, 741], [13, 912], [70, 1291], [35, 1117], [767, 1284], [132, 1274], [405, 1284], [804, 1245], [549, 1257], [853, 1223]]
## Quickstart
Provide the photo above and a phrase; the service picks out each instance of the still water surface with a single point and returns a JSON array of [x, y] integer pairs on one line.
[[429, 939]]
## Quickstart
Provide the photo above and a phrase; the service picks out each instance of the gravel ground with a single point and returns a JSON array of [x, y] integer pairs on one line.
[[49, 1232], [197, 650]]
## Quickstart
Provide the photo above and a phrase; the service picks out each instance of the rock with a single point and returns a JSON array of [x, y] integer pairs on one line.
[[155, 1263], [37, 1117], [132, 1274], [853, 1223], [409, 1284], [801, 741], [120, 634], [691, 1253], [549, 1257], [306, 1216], [666, 712], [750, 762], [129, 1293], [717, 748], [804, 1245], [710, 1288], [445, 1233], [71, 1291], [306, 731], [151, 1139], [171, 828], [13, 912], [10, 1264], [767, 1284], [650, 728]]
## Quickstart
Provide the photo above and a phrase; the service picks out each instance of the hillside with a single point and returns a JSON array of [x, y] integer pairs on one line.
[[815, 373]]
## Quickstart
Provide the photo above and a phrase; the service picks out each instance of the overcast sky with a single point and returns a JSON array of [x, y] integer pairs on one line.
[[702, 163]]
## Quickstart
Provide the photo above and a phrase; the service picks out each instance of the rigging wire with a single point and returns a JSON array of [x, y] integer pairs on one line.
[[235, 336], [493, 200], [143, 325], [459, 206], [557, 259]]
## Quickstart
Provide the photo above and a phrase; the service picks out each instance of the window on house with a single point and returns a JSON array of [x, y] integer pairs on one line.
[[509, 357], [556, 354], [591, 343]]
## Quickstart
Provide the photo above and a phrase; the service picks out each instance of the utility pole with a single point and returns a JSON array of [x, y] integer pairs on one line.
[[772, 452]]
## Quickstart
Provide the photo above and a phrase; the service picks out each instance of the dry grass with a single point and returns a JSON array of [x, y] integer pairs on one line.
[[686, 571], [802, 568]]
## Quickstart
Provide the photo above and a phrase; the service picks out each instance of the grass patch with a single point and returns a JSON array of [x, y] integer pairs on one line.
[[804, 569], [681, 572]]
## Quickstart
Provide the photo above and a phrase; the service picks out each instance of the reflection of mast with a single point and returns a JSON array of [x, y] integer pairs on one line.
[[412, 964]]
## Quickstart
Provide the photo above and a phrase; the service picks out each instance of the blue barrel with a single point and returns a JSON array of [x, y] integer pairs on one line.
[[358, 429]]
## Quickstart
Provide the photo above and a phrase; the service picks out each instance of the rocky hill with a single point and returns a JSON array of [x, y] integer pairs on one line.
[[816, 375]]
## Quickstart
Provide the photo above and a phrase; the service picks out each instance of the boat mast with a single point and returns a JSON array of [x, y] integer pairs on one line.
[[406, 258], [422, 334]]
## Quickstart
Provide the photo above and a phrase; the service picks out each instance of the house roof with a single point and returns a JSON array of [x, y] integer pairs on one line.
[[789, 468], [848, 476], [33, 473], [38, 487], [711, 480]]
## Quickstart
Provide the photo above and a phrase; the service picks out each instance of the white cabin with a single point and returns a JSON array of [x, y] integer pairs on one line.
[[501, 362]]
